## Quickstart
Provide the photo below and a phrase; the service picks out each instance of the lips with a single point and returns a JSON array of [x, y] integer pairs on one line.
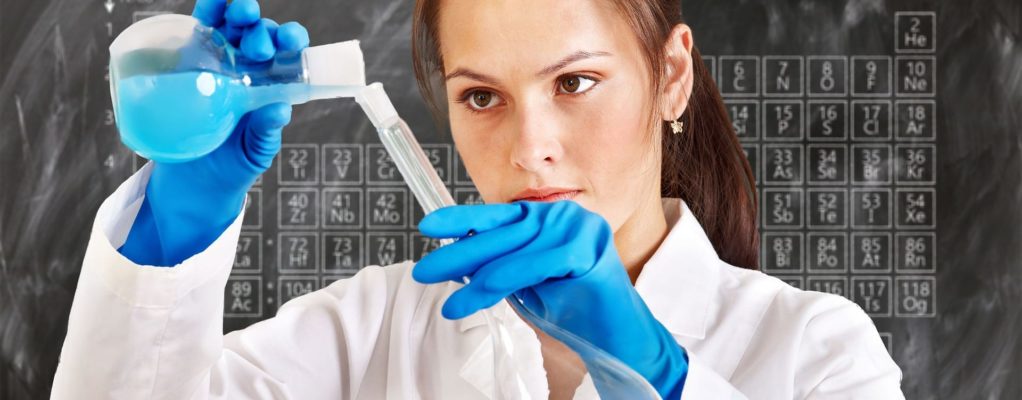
[[546, 194]]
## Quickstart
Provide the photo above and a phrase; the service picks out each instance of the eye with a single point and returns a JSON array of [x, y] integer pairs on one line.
[[479, 100], [575, 84]]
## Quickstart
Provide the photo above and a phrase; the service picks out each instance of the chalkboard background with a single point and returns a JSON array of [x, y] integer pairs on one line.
[[60, 157]]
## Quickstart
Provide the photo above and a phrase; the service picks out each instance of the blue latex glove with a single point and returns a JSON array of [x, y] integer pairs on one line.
[[560, 258], [188, 205]]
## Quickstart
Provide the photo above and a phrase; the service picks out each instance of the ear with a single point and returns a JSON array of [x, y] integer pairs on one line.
[[679, 72]]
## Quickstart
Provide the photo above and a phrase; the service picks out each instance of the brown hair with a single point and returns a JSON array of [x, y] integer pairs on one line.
[[705, 166]]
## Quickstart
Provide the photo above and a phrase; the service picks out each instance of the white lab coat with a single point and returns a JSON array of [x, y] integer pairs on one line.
[[138, 332]]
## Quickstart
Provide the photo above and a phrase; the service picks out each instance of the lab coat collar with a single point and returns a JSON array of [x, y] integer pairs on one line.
[[681, 279], [677, 283]]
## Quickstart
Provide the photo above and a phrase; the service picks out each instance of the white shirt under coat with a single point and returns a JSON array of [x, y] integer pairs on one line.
[[139, 332]]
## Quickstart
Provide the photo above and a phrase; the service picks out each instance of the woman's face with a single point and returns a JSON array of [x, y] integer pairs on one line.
[[551, 96]]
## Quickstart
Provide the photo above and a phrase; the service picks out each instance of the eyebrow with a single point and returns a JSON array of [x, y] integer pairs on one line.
[[552, 68]]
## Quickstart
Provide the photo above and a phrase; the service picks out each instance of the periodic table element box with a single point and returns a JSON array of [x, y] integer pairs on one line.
[[783, 76], [871, 208], [783, 208], [783, 164], [298, 252], [827, 120], [916, 164], [915, 76], [248, 256], [243, 297], [827, 164], [343, 208], [343, 253], [833, 284], [290, 287], [916, 252], [827, 252], [915, 296], [783, 120], [827, 76], [827, 208], [298, 208], [871, 164], [343, 164], [297, 164], [386, 248], [915, 32], [380, 168], [871, 120], [782, 252], [873, 294], [745, 118], [739, 76], [916, 208], [871, 252], [872, 76], [915, 120], [387, 208]]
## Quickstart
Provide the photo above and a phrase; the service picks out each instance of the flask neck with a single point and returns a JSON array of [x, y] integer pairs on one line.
[[284, 68], [287, 79]]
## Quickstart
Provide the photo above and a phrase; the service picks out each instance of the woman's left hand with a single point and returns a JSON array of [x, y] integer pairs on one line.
[[560, 258]]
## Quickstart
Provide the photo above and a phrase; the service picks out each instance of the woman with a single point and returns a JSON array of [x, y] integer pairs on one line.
[[603, 103]]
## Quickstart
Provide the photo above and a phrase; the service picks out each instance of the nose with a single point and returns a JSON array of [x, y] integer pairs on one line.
[[537, 143]]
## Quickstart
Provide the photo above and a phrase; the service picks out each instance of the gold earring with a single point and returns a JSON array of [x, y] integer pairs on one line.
[[677, 126]]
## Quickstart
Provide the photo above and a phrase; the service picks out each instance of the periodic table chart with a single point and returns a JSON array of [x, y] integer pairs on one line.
[[844, 154], [843, 148]]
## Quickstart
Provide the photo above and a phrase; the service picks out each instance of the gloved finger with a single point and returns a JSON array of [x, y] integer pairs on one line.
[[262, 138], [273, 116], [520, 270], [458, 221], [292, 36], [271, 28], [210, 12], [239, 15], [256, 43], [463, 257], [467, 300], [242, 13]]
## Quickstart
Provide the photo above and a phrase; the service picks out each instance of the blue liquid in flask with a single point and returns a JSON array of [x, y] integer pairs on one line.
[[179, 88], [181, 116]]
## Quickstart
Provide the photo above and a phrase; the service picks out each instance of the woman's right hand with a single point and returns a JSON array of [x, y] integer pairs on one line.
[[188, 205]]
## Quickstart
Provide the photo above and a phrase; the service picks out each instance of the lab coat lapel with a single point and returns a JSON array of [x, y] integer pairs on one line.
[[680, 279], [686, 286], [478, 369]]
